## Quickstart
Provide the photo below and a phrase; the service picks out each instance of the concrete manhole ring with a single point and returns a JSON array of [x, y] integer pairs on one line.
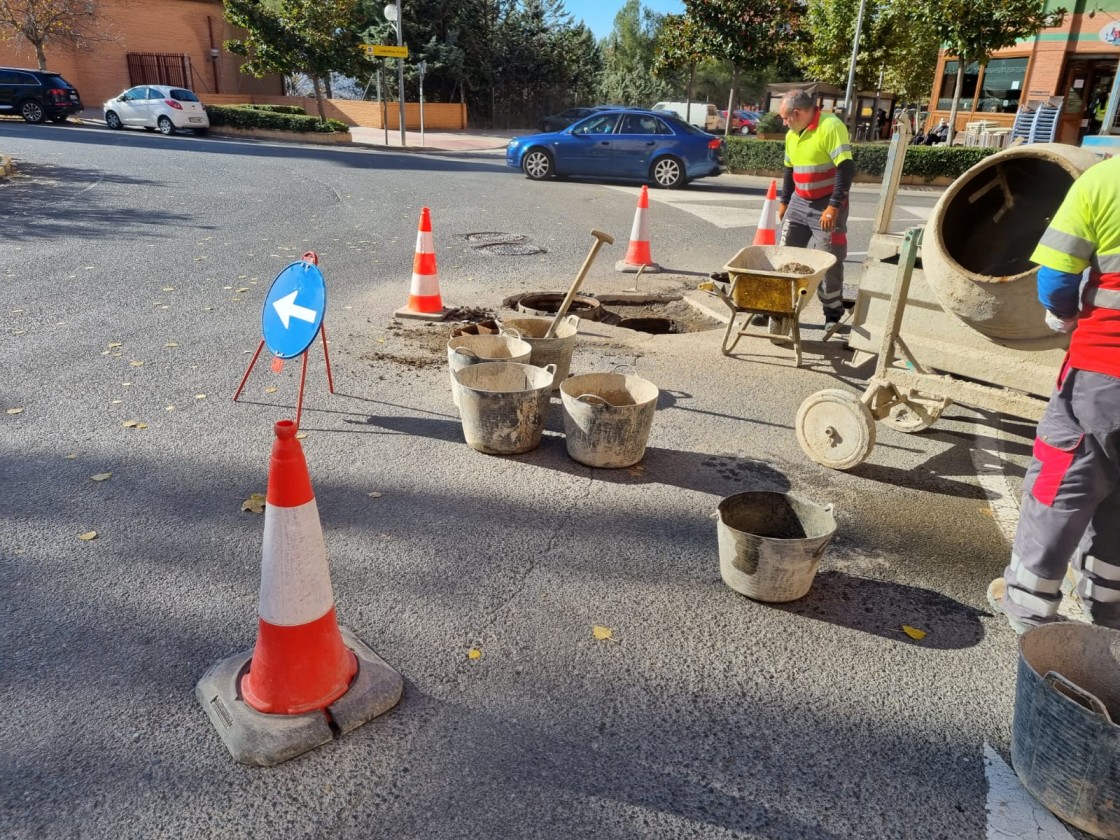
[[493, 238]]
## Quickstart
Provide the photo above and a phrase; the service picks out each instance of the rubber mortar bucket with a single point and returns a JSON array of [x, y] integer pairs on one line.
[[503, 405], [467, 350], [607, 417], [548, 351], [771, 544], [1065, 743]]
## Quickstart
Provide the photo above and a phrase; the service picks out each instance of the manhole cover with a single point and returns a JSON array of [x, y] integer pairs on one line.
[[509, 250], [493, 238]]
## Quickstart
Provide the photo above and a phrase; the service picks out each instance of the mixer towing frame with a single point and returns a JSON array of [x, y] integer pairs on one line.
[[836, 428]]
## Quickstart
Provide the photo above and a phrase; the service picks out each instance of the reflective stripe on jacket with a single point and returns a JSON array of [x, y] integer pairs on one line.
[[1085, 233], [814, 154]]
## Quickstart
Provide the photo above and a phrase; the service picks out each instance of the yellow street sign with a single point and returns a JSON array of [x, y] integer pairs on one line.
[[383, 51]]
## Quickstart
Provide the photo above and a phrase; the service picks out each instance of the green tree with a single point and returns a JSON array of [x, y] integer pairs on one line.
[[748, 33], [896, 39], [972, 30], [70, 23], [681, 44], [315, 37], [629, 58]]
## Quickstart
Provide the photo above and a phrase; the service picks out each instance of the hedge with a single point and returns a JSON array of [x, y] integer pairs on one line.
[[244, 116], [277, 109], [745, 155]]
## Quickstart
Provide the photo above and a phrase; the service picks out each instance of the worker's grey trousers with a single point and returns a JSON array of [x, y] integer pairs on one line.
[[1071, 504], [801, 227]]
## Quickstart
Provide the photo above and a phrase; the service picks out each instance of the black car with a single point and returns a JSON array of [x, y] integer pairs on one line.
[[562, 120], [37, 95]]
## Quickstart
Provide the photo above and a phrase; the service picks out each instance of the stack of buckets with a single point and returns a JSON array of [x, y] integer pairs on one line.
[[503, 384]]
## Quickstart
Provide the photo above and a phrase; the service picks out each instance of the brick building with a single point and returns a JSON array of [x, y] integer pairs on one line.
[[177, 42], [1074, 65]]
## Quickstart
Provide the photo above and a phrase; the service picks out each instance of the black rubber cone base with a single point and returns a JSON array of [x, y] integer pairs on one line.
[[256, 738], [634, 268], [405, 312]]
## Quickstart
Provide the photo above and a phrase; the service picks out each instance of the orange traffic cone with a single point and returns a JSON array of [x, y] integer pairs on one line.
[[767, 232], [637, 255], [307, 680], [424, 300], [299, 663]]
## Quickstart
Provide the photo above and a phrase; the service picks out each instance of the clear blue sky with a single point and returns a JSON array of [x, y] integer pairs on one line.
[[599, 14]]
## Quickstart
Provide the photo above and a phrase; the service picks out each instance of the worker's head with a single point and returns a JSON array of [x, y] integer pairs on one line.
[[797, 109]]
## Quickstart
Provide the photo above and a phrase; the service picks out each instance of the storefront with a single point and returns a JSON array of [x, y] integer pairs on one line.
[[1072, 67]]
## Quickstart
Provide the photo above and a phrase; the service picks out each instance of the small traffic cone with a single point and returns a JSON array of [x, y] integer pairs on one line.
[[767, 232], [637, 255], [306, 678], [424, 301]]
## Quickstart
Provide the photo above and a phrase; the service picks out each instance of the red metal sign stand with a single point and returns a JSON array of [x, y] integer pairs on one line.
[[278, 363]]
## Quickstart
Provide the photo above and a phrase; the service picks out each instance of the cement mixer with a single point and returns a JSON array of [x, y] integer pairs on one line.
[[951, 310]]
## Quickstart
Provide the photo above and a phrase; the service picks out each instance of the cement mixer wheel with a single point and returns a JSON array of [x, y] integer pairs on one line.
[[835, 429], [915, 413]]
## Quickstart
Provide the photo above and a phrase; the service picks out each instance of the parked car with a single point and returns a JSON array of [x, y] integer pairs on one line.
[[703, 115], [748, 121], [556, 122], [157, 107], [656, 147], [37, 95]]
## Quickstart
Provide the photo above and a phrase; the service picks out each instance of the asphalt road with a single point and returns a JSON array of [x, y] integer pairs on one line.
[[134, 269]]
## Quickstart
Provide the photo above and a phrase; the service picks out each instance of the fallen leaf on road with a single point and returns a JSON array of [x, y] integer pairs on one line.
[[271, 389], [116, 344], [168, 289], [71, 456], [15, 411], [913, 632], [115, 402], [374, 495], [254, 504], [171, 344], [87, 536], [603, 633], [987, 511], [301, 435], [101, 477], [200, 396], [134, 424], [474, 653], [136, 363], [242, 290]]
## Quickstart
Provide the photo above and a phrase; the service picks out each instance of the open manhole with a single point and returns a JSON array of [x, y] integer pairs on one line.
[[548, 303], [660, 318], [653, 326], [503, 249]]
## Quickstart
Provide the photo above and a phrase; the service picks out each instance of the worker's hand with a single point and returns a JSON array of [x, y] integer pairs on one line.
[[828, 218], [1060, 325], [782, 211]]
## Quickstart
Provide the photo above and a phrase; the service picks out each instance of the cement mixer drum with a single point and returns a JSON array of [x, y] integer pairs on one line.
[[978, 242]]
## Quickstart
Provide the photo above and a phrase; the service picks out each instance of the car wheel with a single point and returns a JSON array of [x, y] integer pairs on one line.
[[537, 164], [113, 121], [32, 111], [667, 173], [165, 126]]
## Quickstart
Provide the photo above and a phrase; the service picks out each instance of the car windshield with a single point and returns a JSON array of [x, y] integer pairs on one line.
[[183, 95], [603, 124]]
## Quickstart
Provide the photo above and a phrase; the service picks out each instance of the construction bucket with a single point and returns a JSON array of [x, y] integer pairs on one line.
[[503, 406], [771, 544], [607, 418]]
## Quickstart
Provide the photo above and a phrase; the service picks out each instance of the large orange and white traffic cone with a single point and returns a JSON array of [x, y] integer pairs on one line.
[[767, 231], [424, 299], [638, 256], [305, 673]]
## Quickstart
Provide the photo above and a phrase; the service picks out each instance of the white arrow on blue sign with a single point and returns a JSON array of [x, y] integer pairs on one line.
[[293, 309]]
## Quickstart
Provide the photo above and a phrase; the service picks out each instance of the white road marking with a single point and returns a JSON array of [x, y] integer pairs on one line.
[[1013, 814], [916, 210], [722, 217]]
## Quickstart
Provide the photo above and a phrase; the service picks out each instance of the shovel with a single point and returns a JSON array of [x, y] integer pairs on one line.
[[600, 238]]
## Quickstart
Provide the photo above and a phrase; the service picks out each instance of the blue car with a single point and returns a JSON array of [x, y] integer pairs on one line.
[[655, 147]]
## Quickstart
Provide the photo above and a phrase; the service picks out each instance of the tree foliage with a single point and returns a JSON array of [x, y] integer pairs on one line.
[[896, 39], [972, 30], [629, 59], [314, 37], [69, 23]]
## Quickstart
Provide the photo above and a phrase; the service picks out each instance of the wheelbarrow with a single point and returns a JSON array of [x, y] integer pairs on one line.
[[774, 281]]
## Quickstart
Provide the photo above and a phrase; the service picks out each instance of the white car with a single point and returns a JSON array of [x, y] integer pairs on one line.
[[157, 107]]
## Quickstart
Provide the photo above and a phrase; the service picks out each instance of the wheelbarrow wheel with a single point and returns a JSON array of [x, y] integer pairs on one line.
[[835, 429], [915, 413]]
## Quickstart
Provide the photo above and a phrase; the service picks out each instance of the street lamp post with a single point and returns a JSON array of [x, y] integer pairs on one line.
[[393, 13], [848, 117]]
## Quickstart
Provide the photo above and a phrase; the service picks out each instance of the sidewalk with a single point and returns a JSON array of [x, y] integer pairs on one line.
[[437, 141]]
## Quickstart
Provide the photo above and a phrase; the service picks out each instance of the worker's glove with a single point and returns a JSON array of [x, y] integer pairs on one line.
[[1060, 325], [828, 218], [782, 211]]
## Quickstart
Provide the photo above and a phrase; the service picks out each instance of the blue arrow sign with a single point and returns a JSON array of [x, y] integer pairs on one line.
[[293, 309]]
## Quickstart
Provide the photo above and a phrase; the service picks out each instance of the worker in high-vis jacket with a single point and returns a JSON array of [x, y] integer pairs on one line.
[[814, 201], [1070, 512]]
